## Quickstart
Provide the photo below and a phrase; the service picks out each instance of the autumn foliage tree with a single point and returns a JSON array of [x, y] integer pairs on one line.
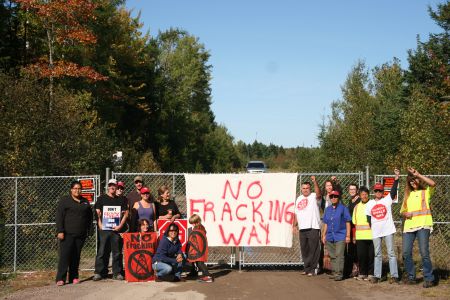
[[65, 23]]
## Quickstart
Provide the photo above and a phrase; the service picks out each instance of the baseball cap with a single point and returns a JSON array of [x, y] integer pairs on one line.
[[120, 183], [335, 193], [145, 190], [378, 186], [112, 181], [138, 178]]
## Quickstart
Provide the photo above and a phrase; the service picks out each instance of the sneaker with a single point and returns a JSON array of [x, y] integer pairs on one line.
[[361, 277], [428, 284], [118, 277], [331, 276], [158, 279], [394, 280], [76, 281], [97, 277], [410, 281], [375, 280], [205, 279], [338, 278], [303, 273], [60, 283], [311, 274]]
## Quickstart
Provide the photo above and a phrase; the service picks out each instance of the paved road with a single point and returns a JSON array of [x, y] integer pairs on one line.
[[232, 284]]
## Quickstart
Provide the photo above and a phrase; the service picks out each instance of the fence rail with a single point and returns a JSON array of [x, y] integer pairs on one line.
[[29, 205]]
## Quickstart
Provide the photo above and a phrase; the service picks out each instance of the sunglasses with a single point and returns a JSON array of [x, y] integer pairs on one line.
[[378, 191], [137, 181], [146, 194], [334, 196], [120, 188]]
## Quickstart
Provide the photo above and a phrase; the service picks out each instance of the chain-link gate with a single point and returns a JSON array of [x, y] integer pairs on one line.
[[29, 207], [440, 210], [177, 186], [276, 256]]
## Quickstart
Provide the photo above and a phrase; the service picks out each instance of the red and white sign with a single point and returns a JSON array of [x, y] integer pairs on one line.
[[88, 195], [244, 209], [139, 249], [379, 211], [182, 234]]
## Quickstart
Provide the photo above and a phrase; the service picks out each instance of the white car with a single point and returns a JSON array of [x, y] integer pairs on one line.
[[256, 166]]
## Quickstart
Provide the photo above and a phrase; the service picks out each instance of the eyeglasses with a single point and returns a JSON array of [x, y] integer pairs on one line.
[[120, 188], [378, 191]]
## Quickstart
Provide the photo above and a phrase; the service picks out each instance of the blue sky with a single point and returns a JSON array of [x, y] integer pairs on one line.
[[278, 65]]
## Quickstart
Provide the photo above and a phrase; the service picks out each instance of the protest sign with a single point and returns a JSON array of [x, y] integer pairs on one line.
[[244, 209], [111, 217], [139, 249], [182, 234]]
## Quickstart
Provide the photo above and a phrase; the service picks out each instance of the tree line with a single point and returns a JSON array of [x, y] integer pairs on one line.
[[80, 81]]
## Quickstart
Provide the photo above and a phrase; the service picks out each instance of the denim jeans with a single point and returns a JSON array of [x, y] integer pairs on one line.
[[423, 236], [389, 241], [109, 241], [162, 269]]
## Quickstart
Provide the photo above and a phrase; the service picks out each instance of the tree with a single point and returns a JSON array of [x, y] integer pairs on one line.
[[64, 23]]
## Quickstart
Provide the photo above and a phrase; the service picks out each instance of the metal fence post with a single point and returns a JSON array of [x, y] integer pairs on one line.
[[106, 179], [15, 227], [173, 186], [367, 177]]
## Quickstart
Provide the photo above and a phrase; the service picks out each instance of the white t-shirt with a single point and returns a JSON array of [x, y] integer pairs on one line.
[[381, 216], [307, 211]]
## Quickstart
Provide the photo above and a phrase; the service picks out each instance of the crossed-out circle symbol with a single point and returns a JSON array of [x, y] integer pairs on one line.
[[197, 245], [139, 264]]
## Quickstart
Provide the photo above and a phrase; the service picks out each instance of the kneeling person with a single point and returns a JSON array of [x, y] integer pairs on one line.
[[169, 257]]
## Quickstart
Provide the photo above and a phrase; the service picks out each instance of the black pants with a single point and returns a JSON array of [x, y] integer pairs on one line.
[[350, 258], [69, 257], [310, 247], [200, 266], [109, 241], [366, 256]]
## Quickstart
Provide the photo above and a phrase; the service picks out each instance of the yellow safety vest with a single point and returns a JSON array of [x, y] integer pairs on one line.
[[359, 218], [418, 203]]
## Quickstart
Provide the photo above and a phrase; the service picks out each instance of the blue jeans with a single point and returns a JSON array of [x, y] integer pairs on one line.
[[423, 236], [162, 269], [389, 241]]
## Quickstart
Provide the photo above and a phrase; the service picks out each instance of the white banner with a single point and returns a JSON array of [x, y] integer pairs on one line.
[[244, 209]]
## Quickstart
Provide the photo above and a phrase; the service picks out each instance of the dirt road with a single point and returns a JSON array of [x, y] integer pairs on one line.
[[232, 284]]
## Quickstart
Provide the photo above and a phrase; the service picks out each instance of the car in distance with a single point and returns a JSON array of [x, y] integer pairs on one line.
[[256, 166]]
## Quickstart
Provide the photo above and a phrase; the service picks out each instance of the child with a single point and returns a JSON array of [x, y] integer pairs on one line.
[[197, 251]]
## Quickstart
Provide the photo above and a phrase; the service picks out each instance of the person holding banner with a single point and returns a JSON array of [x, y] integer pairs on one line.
[[197, 249], [166, 208], [379, 212], [111, 213], [144, 209], [169, 257], [307, 220], [73, 224], [336, 233], [418, 223]]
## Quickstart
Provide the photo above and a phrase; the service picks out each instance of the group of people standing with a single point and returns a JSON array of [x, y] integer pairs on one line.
[[74, 221], [350, 234], [353, 234]]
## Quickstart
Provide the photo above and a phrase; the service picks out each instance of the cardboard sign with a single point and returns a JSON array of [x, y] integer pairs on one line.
[[197, 247], [111, 217], [139, 249], [244, 209], [182, 234]]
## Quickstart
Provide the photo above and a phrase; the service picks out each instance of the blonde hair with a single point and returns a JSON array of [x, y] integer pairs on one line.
[[195, 219], [162, 189]]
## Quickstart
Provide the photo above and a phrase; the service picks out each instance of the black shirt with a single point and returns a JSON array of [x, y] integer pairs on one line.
[[73, 217], [161, 210]]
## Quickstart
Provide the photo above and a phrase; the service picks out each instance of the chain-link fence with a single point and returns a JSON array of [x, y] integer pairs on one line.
[[29, 205], [440, 210], [29, 208], [260, 256]]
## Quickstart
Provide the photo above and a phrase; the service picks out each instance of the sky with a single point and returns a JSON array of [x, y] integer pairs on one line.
[[278, 65]]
